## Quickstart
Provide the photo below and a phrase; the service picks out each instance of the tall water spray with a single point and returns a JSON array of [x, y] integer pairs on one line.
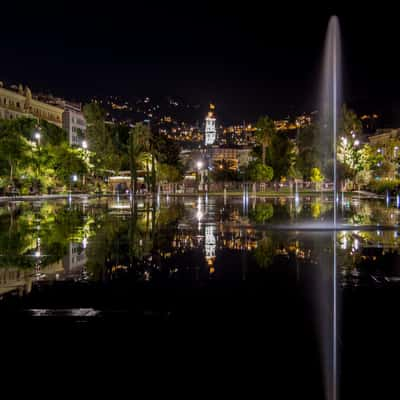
[[330, 106], [330, 102]]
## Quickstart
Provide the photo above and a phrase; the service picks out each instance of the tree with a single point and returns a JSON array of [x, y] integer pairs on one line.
[[348, 150], [316, 177], [280, 155], [67, 162], [103, 151], [349, 123], [52, 134], [14, 148], [258, 172], [139, 137], [308, 155], [265, 130], [169, 173]]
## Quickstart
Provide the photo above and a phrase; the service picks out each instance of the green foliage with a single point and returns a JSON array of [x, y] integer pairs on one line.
[[169, 173], [52, 134], [68, 161], [349, 122], [382, 186], [264, 252], [262, 212], [258, 172], [307, 151], [104, 154], [316, 175], [14, 148], [280, 155]]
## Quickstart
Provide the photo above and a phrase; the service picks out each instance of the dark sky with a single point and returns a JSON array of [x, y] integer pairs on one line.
[[249, 59]]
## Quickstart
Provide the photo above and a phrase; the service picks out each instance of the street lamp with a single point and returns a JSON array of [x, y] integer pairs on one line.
[[84, 147], [199, 165], [37, 137], [74, 178], [356, 143]]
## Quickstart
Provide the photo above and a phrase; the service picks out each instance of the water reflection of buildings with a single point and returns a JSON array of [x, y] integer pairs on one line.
[[75, 259], [210, 244], [17, 279]]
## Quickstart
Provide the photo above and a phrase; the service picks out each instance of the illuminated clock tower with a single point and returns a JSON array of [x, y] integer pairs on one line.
[[210, 133]]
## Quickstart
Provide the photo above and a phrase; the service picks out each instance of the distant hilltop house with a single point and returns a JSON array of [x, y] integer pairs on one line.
[[18, 102]]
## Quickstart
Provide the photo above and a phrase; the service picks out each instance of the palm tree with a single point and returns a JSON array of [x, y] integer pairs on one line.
[[265, 130], [155, 143], [139, 137]]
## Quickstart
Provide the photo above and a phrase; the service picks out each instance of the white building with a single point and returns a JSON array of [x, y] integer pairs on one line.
[[74, 123], [210, 133]]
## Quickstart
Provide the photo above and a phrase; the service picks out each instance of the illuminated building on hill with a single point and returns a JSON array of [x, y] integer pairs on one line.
[[210, 133]]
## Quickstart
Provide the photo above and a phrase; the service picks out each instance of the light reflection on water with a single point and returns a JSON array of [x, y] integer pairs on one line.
[[279, 250], [100, 238]]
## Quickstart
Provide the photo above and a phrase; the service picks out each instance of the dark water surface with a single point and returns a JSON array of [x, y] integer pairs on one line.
[[245, 286]]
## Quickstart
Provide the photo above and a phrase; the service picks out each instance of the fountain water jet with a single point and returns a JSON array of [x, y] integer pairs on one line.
[[330, 104]]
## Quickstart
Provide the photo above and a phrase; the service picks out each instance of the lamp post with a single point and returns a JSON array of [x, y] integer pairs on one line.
[[84, 147], [74, 178], [37, 138]]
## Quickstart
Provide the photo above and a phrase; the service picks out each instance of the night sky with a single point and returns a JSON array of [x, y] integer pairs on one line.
[[247, 59]]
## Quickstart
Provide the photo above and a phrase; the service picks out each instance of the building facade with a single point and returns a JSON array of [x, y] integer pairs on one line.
[[387, 143], [17, 104], [74, 123], [20, 103]]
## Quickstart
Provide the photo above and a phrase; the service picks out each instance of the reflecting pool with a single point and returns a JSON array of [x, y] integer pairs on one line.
[[262, 266]]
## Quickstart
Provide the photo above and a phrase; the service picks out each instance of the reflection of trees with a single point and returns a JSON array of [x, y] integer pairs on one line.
[[369, 213], [264, 252], [52, 225], [261, 212], [128, 240]]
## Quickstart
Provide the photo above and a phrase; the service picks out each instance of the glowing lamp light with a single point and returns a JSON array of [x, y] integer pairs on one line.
[[37, 135], [199, 165], [356, 142], [74, 178], [84, 144]]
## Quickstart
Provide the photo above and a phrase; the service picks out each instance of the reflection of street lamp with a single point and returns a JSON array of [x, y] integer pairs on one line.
[[199, 165]]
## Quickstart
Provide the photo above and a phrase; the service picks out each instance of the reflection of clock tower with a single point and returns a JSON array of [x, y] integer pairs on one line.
[[210, 132]]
